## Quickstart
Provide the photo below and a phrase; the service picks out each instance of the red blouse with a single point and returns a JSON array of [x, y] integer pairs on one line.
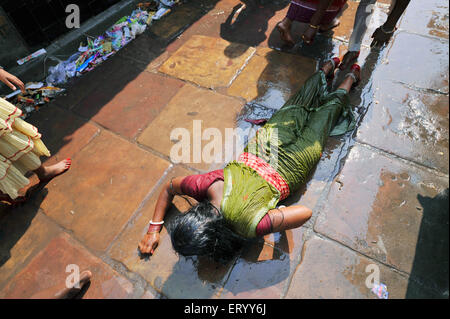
[[196, 186]]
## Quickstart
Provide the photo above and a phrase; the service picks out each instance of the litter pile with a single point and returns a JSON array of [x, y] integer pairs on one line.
[[99, 49], [36, 95], [90, 54]]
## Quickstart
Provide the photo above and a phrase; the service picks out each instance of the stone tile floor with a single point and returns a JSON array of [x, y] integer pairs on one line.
[[379, 195]]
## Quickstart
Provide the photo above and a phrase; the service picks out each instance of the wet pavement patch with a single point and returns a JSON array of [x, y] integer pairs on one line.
[[375, 206], [208, 62]]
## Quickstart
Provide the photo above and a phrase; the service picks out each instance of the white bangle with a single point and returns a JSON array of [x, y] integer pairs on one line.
[[156, 223], [352, 76]]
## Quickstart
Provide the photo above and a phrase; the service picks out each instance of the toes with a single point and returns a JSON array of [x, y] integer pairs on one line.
[[67, 163]]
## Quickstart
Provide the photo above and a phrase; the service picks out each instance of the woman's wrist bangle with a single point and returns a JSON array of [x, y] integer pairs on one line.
[[152, 232], [154, 227], [388, 32], [156, 223]]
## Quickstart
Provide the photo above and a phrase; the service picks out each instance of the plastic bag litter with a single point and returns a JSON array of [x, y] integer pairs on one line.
[[31, 56], [160, 13], [33, 85], [89, 56], [99, 49], [137, 29], [82, 48], [50, 91], [35, 96], [63, 70], [57, 74], [169, 3]]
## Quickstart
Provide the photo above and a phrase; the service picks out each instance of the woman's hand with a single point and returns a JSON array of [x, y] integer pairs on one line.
[[149, 243], [10, 80], [380, 37], [309, 35]]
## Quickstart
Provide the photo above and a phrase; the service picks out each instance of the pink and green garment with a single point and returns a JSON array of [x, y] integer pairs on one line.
[[292, 142]]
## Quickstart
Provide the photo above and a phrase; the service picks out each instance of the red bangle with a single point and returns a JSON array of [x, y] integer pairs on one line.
[[154, 228]]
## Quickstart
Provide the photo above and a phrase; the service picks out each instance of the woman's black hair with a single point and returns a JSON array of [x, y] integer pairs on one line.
[[202, 231]]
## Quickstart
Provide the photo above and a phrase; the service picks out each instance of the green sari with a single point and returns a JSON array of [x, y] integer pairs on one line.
[[291, 142]]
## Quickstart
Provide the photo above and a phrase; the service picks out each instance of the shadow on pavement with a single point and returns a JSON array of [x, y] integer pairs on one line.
[[430, 265], [15, 221], [248, 23]]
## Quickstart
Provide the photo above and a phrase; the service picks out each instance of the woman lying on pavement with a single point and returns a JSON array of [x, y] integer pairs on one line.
[[241, 200]]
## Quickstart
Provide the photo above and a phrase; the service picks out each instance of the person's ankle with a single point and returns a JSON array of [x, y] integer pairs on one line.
[[286, 23]]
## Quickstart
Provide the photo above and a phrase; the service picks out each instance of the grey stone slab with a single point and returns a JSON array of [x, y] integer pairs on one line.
[[392, 211]]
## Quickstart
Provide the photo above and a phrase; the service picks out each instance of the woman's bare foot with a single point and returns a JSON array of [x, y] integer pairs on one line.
[[46, 174], [325, 28], [284, 27], [349, 58]]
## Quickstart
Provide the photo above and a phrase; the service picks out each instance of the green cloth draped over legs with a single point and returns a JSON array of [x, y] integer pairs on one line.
[[291, 142]]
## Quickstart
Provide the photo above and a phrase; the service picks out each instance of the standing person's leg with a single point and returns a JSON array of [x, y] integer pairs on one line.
[[46, 173], [362, 20], [311, 13], [285, 25], [62, 291], [14, 180], [384, 33], [391, 8]]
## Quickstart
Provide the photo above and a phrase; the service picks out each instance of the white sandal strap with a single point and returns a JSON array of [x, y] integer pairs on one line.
[[352, 76], [334, 64]]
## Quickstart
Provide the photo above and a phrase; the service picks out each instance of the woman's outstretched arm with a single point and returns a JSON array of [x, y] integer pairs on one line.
[[170, 189], [150, 241], [289, 217]]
